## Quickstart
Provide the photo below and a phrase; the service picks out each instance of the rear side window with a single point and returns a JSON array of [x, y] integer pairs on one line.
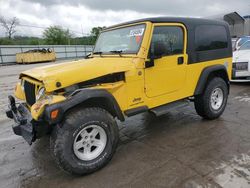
[[210, 37]]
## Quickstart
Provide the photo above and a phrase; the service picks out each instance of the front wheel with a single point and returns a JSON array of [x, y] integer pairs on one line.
[[212, 102], [86, 141]]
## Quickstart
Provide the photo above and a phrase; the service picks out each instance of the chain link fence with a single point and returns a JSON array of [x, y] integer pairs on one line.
[[8, 52]]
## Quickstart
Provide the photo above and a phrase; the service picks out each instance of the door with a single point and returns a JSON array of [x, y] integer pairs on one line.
[[168, 60]]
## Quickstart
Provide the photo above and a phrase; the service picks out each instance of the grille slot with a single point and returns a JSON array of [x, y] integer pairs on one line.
[[29, 90], [241, 66]]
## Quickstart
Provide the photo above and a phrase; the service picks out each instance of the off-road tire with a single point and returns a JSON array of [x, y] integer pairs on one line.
[[202, 102], [63, 136]]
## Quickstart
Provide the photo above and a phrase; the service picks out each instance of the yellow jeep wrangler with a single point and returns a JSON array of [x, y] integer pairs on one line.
[[150, 65]]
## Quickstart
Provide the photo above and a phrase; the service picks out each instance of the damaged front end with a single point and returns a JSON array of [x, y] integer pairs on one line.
[[24, 124], [42, 110], [28, 111]]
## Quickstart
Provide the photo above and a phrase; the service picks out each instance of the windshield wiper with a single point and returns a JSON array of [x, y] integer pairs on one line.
[[88, 56], [98, 53], [117, 52]]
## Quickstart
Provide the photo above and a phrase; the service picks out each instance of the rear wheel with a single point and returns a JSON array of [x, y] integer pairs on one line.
[[86, 141], [212, 102]]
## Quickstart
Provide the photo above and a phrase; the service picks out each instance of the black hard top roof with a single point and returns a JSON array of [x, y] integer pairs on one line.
[[191, 24], [186, 21]]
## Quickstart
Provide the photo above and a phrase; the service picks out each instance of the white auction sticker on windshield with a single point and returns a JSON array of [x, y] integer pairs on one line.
[[136, 32]]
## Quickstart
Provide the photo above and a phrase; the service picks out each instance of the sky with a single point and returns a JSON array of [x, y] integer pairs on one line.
[[79, 16]]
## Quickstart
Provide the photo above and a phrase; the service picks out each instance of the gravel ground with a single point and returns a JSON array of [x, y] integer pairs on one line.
[[178, 149]]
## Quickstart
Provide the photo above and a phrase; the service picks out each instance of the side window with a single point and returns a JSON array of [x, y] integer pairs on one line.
[[210, 37], [167, 39]]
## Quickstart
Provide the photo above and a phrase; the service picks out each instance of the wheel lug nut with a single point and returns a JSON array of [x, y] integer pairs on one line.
[[86, 137], [88, 145]]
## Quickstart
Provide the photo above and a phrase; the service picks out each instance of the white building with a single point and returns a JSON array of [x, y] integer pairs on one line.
[[247, 25], [238, 25]]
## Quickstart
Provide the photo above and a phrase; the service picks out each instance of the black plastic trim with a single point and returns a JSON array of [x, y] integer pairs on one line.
[[23, 125], [134, 111], [165, 108], [149, 63], [78, 99], [204, 77]]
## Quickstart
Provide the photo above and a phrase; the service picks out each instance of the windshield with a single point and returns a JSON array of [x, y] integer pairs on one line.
[[243, 40], [122, 40], [245, 46]]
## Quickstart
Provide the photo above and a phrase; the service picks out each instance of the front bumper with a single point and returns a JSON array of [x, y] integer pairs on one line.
[[240, 75], [24, 125]]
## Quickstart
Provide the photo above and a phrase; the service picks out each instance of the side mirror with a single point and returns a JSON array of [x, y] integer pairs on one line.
[[157, 50]]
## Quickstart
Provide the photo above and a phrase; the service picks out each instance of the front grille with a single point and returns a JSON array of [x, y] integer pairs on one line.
[[29, 90], [241, 66]]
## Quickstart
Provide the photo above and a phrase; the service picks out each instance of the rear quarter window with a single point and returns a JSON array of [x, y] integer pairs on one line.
[[210, 37]]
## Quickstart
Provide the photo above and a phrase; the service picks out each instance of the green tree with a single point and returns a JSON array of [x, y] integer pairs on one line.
[[95, 31], [6, 41], [57, 35]]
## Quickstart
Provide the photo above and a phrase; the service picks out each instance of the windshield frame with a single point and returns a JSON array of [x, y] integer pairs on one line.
[[121, 27]]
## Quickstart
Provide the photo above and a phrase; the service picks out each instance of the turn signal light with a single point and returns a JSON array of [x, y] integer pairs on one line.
[[54, 114]]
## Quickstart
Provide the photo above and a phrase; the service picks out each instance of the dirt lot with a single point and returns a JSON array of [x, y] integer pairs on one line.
[[178, 149]]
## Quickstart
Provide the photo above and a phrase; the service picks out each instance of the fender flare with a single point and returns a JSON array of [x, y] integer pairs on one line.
[[205, 75], [80, 98]]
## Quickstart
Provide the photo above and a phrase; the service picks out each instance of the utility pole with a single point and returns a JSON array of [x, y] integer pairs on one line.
[[82, 31]]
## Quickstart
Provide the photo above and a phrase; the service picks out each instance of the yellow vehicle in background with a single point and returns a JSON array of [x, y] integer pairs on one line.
[[150, 65], [35, 56]]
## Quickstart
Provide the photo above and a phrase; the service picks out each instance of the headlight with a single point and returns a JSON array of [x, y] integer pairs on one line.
[[40, 93]]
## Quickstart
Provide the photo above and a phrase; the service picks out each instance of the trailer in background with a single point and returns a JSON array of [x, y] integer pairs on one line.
[[8, 52], [35, 56]]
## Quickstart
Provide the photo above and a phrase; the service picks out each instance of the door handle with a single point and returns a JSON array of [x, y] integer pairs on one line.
[[180, 60]]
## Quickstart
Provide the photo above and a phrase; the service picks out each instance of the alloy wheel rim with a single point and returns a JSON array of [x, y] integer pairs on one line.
[[90, 142], [217, 98]]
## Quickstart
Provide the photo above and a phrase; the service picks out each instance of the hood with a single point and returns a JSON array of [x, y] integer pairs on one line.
[[77, 71], [241, 55]]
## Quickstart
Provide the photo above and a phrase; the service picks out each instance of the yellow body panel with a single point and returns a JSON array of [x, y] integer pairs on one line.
[[166, 76], [77, 71], [19, 92], [193, 72], [163, 83], [33, 57]]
